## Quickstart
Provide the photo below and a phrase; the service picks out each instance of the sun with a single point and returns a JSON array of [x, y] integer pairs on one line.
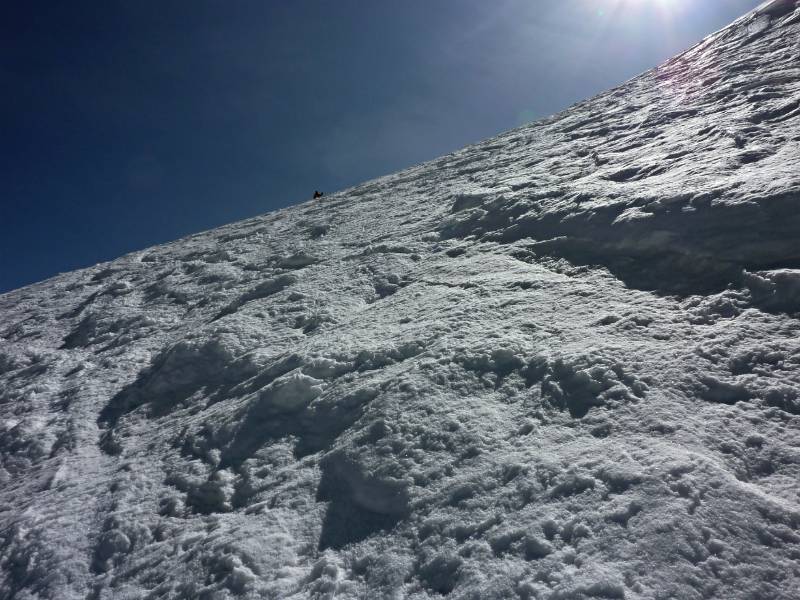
[[664, 4], [666, 9]]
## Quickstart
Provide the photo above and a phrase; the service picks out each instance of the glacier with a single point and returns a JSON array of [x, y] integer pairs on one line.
[[560, 364]]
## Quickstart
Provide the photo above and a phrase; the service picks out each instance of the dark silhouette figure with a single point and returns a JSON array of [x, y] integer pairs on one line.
[[317, 194]]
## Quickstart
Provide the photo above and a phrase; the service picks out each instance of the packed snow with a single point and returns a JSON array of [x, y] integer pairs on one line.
[[560, 364]]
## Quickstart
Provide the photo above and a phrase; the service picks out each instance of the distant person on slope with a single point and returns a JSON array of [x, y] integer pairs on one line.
[[317, 194]]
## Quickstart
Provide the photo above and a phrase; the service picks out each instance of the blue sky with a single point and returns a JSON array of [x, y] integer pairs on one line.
[[126, 124]]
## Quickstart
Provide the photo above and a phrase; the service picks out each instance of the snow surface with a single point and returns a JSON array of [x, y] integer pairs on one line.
[[560, 364]]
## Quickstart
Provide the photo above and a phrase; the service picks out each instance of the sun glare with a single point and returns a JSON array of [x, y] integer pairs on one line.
[[666, 9], [666, 5]]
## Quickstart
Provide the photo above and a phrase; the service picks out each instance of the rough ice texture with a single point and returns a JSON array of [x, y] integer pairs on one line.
[[560, 364]]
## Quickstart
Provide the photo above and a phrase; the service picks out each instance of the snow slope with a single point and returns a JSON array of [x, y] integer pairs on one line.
[[560, 364]]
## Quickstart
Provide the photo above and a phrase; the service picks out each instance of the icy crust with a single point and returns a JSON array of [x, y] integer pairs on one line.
[[655, 179], [464, 380]]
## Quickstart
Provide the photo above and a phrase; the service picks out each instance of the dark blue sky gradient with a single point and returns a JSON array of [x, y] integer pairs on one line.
[[129, 123]]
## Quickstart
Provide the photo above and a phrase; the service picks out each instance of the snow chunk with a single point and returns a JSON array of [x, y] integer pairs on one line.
[[775, 290], [296, 261], [289, 393], [578, 383]]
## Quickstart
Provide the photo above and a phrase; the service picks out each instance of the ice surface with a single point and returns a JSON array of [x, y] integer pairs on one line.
[[560, 364]]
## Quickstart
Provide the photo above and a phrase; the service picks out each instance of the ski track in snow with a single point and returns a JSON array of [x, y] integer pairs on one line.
[[560, 364]]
